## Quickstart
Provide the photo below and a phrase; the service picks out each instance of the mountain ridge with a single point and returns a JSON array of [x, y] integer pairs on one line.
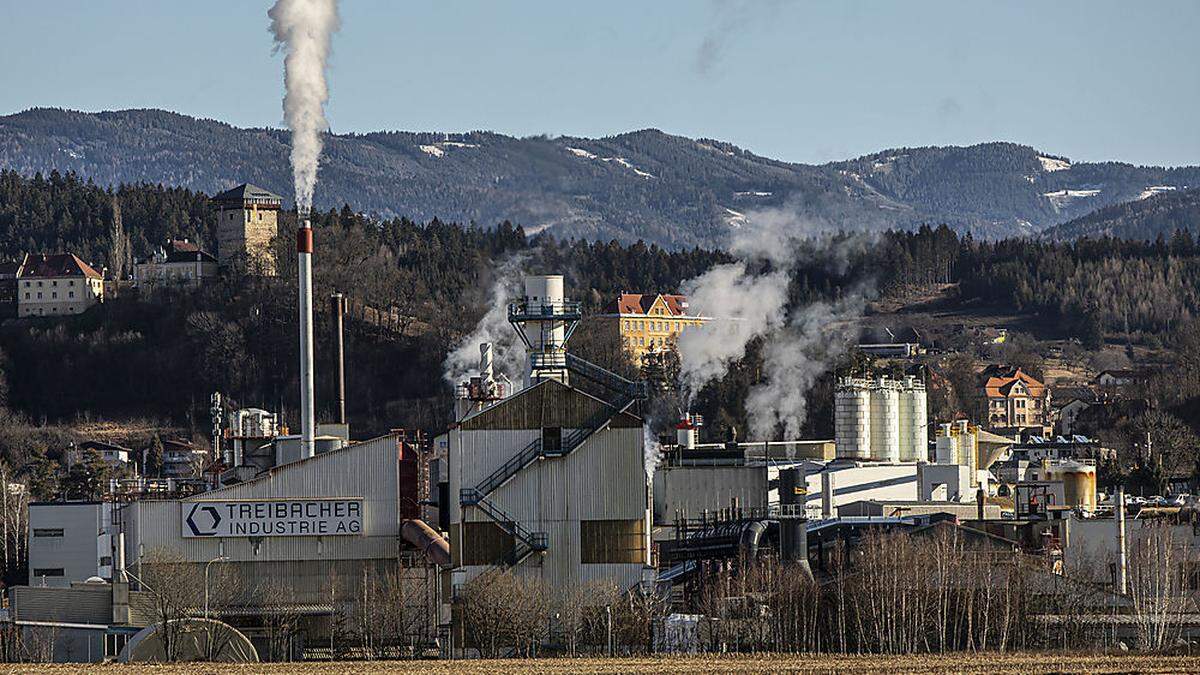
[[643, 184]]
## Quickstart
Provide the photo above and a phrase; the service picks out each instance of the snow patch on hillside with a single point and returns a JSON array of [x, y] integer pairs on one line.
[[439, 149], [1052, 164], [584, 154], [1061, 198], [733, 218], [753, 193], [1152, 190]]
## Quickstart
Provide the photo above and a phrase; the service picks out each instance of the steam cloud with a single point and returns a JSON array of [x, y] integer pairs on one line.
[[801, 343], [302, 29], [508, 353]]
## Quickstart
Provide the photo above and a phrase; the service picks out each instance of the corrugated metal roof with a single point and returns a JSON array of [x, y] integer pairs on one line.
[[549, 403]]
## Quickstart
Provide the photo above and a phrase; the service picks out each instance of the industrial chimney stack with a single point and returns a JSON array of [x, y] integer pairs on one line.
[[304, 250]]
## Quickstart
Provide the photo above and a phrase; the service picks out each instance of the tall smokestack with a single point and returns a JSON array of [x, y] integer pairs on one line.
[[304, 250], [338, 301]]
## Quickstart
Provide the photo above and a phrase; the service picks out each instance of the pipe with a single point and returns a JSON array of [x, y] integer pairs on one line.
[[433, 545], [1122, 560], [338, 302], [304, 251]]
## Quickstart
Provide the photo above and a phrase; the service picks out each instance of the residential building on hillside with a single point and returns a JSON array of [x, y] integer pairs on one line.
[[1114, 380], [177, 263], [645, 323], [1069, 402], [1011, 398], [57, 285], [110, 453], [247, 224], [9, 271]]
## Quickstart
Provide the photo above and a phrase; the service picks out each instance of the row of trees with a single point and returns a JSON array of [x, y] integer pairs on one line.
[[892, 593]]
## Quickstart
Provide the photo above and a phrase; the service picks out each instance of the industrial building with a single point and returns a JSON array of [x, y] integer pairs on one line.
[[551, 480]]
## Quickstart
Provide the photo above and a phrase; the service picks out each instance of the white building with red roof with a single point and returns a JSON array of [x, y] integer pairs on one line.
[[58, 284]]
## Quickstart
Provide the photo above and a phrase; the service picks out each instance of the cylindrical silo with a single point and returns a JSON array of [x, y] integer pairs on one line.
[[914, 420], [852, 419], [947, 446], [1079, 485], [885, 421]]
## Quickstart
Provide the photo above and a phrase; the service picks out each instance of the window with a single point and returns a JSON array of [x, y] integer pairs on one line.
[[54, 283], [70, 294], [48, 572], [71, 282], [54, 295], [26, 296], [39, 284], [26, 284], [105, 561], [551, 439], [39, 295], [47, 532], [612, 541]]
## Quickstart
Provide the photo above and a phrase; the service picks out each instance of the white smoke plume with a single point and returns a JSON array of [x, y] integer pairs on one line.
[[743, 306], [302, 29], [508, 352], [652, 450], [801, 343], [795, 358]]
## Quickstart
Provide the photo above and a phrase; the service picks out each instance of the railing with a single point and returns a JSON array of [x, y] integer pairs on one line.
[[605, 378], [566, 310], [510, 468], [533, 541]]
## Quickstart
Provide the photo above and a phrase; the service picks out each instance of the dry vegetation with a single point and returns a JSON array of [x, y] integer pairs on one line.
[[962, 663]]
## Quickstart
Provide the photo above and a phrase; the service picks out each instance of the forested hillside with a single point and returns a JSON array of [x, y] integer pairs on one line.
[[162, 356], [1160, 215], [647, 185]]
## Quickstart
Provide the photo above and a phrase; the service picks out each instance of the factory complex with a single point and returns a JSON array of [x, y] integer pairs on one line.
[[288, 545]]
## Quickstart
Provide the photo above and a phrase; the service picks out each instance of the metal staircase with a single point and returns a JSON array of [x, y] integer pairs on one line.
[[527, 543]]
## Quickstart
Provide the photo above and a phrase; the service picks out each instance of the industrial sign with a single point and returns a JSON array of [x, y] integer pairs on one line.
[[273, 518]]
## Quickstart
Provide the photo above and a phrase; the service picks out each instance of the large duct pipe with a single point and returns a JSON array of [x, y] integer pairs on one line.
[[433, 545], [304, 251], [338, 303]]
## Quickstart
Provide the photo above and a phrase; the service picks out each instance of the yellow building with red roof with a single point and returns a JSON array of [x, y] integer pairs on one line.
[[648, 323]]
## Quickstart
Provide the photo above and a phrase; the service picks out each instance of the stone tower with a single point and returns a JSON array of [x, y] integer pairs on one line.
[[247, 224]]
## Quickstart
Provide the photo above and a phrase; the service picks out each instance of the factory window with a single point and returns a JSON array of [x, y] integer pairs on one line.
[[612, 541], [552, 439], [48, 572], [47, 532], [105, 561]]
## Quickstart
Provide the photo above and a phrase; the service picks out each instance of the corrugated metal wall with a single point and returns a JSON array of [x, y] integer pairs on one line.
[[368, 470]]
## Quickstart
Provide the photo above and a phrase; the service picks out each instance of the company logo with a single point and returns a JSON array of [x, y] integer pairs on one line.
[[203, 520]]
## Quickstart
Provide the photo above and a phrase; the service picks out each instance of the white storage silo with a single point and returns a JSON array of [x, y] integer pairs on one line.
[[852, 419], [885, 421], [914, 420], [947, 446]]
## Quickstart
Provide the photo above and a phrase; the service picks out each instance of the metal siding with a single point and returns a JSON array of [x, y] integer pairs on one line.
[[368, 470]]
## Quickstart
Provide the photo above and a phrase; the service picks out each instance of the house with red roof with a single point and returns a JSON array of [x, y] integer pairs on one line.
[[647, 323], [179, 263], [57, 284], [1011, 398]]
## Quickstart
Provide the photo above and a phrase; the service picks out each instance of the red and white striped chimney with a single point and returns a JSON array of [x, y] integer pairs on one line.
[[304, 251]]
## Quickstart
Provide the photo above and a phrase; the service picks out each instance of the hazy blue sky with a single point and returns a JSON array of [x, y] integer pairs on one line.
[[802, 81]]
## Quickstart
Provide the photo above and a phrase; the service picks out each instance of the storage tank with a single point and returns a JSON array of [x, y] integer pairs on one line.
[[852, 419], [947, 446], [1079, 484], [545, 293], [914, 421], [885, 421]]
